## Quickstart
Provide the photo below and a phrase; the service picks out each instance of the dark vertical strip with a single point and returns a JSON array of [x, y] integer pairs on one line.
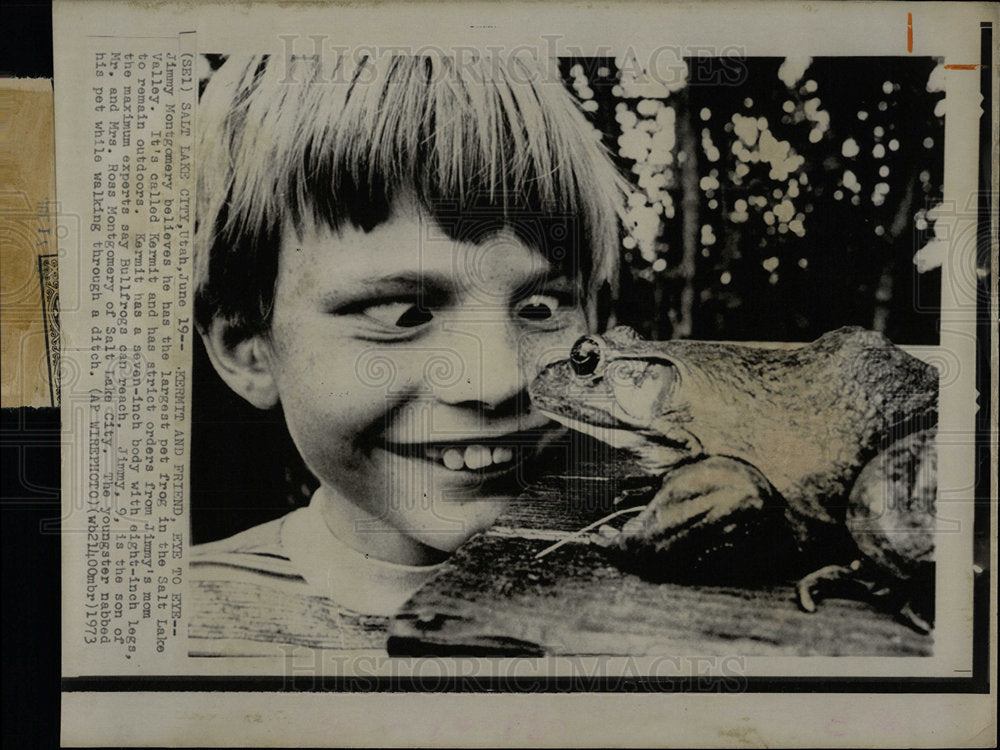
[[984, 374], [687, 145], [42, 279], [29, 486]]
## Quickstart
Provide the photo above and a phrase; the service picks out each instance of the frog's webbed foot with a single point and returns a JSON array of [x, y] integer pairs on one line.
[[909, 616], [854, 582], [820, 583]]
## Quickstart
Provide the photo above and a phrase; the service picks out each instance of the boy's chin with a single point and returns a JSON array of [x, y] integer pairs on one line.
[[467, 520]]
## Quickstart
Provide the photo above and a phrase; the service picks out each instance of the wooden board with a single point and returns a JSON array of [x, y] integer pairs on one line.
[[494, 598]]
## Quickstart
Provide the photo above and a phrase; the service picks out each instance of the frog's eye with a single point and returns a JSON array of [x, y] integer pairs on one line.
[[585, 356]]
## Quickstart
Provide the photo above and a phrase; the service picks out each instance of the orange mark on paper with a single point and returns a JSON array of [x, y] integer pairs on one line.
[[909, 32], [962, 67]]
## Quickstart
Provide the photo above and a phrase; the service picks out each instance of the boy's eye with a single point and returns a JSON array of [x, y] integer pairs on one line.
[[538, 307], [398, 314]]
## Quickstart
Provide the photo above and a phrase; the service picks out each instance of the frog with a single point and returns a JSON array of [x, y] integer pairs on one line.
[[813, 463]]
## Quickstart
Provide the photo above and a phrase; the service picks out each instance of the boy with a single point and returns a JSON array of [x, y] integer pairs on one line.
[[388, 249]]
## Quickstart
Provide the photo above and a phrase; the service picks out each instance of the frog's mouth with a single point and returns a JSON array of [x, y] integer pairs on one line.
[[656, 451], [619, 436]]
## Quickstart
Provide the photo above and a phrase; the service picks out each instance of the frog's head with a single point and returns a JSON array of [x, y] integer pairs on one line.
[[622, 390]]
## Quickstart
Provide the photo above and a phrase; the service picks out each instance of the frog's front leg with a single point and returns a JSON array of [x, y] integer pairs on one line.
[[715, 520]]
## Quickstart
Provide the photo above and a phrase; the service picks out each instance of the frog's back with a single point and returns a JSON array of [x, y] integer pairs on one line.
[[815, 415], [865, 389], [897, 384]]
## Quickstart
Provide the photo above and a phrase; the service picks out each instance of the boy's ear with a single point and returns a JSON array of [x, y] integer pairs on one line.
[[244, 362]]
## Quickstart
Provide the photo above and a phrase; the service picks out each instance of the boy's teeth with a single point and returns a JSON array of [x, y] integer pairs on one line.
[[472, 457], [502, 455], [453, 459], [478, 456]]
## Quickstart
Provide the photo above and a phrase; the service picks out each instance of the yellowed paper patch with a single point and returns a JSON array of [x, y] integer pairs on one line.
[[30, 321]]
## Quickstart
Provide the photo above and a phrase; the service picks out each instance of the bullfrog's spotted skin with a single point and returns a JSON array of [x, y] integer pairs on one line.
[[821, 455]]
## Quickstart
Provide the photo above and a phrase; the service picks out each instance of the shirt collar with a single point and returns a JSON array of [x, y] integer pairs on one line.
[[353, 579]]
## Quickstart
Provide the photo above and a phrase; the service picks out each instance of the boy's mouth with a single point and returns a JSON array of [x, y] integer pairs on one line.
[[484, 455]]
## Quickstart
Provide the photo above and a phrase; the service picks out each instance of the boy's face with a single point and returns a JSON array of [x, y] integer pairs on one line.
[[400, 358]]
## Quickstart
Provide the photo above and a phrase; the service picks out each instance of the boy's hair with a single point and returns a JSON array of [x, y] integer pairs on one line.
[[479, 145]]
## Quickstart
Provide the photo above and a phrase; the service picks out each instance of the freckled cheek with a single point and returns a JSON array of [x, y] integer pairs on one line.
[[342, 414], [330, 415], [333, 438]]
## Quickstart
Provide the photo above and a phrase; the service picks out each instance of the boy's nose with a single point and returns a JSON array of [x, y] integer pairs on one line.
[[489, 374]]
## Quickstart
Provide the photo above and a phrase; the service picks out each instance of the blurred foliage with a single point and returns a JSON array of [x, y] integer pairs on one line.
[[774, 198]]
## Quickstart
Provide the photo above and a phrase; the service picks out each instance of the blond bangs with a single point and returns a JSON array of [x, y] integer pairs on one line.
[[290, 140]]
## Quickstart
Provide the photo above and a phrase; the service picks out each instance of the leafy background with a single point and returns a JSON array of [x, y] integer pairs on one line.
[[774, 198]]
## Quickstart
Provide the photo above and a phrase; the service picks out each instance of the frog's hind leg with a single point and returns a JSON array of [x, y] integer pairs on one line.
[[890, 518]]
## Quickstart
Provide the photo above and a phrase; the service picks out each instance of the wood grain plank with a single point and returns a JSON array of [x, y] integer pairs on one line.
[[577, 601]]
